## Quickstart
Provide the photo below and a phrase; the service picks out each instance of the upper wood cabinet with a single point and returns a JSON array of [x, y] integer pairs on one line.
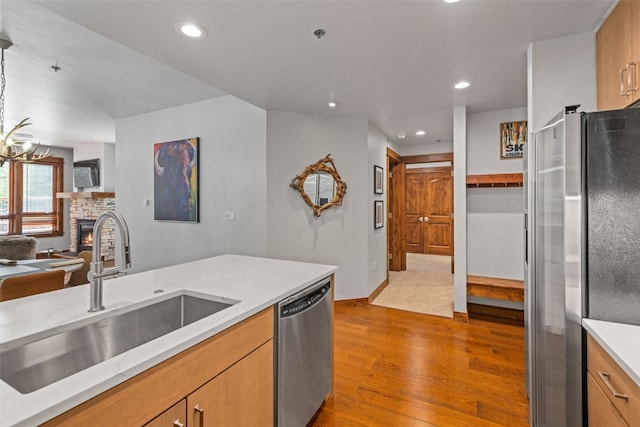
[[618, 57]]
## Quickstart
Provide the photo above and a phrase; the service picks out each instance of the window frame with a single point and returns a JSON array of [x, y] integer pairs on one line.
[[16, 192]]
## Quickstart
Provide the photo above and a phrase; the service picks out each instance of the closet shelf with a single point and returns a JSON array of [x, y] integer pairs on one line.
[[494, 180]]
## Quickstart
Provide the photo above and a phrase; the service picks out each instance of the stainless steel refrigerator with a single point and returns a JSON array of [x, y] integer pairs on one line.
[[582, 204]]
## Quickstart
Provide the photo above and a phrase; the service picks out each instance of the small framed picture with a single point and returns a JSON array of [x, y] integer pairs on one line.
[[513, 136], [378, 214], [377, 179]]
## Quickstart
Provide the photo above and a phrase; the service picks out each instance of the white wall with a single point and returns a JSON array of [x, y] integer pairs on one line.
[[61, 242], [483, 142], [377, 238], [109, 168], [340, 235], [494, 215], [416, 149], [561, 72], [232, 172]]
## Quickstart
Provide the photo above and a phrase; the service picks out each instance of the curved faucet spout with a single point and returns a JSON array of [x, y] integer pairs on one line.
[[96, 271]]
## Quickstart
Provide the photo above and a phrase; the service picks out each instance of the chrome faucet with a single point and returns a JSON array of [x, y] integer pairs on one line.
[[96, 271]]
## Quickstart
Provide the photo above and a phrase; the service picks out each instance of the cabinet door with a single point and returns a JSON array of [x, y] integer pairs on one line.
[[635, 47], [240, 396], [176, 416], [613, 53], [601, 411]]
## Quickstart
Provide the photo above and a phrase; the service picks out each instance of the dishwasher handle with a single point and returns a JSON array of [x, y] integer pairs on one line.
[[305, 302]]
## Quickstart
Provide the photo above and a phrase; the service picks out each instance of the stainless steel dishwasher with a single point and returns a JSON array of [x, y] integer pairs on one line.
[[304, 359]]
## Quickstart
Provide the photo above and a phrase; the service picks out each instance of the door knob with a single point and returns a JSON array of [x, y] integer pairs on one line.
[[419, 219], [426, 219]]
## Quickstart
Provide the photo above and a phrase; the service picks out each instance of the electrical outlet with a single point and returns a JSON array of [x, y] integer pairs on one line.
[[229, 216], [374, 266]]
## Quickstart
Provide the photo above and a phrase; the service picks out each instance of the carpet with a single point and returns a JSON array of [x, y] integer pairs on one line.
[[425, 287]]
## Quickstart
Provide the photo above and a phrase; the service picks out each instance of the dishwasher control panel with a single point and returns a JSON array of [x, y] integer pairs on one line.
[[304, 302]]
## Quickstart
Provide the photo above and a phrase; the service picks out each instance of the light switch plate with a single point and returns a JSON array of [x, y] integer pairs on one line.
[[229, 216]]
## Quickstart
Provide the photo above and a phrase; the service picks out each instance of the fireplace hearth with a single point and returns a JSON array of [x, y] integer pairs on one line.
[[85, 234]]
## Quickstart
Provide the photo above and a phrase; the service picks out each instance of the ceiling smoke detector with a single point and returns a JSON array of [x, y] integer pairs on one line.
[[319, 33]]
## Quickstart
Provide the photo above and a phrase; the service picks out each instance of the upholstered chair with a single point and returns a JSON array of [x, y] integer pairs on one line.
[[79, 277], [17, 247]]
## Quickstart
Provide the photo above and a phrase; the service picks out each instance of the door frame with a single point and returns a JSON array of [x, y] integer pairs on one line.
[[396, 199]]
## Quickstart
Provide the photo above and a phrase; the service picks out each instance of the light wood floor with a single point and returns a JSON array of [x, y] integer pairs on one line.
[[397, 368]]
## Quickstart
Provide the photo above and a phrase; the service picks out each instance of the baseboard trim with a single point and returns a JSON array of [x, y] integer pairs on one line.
[[355, 302], [459, 316], [379, 289]]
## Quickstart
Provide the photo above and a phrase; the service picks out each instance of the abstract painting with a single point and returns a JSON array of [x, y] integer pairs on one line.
[[175, 180]]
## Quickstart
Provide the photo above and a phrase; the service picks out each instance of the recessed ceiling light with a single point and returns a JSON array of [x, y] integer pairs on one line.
[[420, 133], [332, 104], [451, 1], [402, 136], [462, 85], [193, 31]]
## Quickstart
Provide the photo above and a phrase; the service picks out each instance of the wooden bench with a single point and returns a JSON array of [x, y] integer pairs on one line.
[[499, 289]]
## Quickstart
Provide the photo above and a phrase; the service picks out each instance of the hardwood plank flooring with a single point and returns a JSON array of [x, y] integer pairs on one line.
[[398, 368]]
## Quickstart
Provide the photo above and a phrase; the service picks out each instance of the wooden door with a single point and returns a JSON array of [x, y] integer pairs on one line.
[[437, 213], [429, 200], [395, 202], [413, 212]]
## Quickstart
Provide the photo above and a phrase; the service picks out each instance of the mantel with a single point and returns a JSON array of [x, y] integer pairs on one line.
[[86, 195]]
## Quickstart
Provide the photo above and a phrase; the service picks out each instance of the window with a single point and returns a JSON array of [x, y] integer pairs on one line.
[[28, 203]]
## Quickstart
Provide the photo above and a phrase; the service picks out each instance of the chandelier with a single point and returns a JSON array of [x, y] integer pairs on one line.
[[15, 147]]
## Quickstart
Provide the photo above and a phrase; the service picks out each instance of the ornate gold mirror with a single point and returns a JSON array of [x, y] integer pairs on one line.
[[320, 185]]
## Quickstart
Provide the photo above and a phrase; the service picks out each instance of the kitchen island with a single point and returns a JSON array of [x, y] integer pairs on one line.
[[256, 284]]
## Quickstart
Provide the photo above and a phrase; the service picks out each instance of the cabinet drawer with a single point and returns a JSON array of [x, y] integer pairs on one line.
[[176, 416], [601, 410], [610, 377]]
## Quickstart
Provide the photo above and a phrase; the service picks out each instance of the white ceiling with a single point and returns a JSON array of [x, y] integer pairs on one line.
[[393, 62]]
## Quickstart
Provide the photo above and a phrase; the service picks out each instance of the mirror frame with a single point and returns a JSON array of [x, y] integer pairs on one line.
[[323, 165]]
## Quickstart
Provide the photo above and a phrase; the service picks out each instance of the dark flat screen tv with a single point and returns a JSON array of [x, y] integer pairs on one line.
[[86, 173]]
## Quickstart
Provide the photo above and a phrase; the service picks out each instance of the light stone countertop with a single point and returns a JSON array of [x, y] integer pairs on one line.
[[621, 341], [257, 283]]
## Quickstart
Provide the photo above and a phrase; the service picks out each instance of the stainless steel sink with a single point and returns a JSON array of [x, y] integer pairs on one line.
[[31, 366]]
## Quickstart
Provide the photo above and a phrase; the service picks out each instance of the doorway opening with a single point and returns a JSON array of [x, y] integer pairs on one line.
[[420, 234]]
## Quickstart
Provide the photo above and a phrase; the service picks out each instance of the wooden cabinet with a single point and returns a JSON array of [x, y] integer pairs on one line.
[[240, 396], [176, 416], [613, 397], [618, 57], [235, 366]]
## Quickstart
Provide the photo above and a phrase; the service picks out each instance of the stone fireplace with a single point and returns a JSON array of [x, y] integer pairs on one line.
[[85, 207]]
